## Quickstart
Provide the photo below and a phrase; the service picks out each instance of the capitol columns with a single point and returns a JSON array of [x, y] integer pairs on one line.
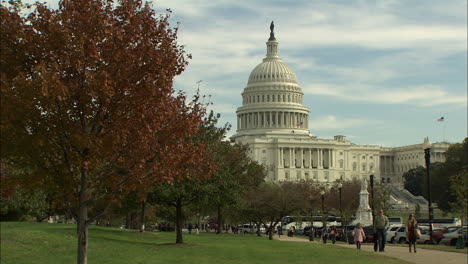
[[320, 158]]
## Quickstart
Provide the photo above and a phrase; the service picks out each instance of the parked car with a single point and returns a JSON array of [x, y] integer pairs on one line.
[[246, 229], [399, 236], [439, 235], [451, 238], [391, 232], [424, 238]]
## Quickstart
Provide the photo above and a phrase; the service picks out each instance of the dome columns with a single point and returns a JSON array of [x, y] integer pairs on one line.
[[272, 119]]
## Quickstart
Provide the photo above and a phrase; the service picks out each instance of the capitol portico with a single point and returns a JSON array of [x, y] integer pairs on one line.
[[274, 122]]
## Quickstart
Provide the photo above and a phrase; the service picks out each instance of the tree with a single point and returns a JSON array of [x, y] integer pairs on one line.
[[456, 166], [182, 192], [178, 195], [414, 179], [270, 202], [88, 104], [443, 175], [235, 174], [459, 188], [381, 197]]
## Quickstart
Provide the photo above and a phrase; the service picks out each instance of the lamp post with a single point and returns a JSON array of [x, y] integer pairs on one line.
[[372, 200], [311, 235], [427, 157], [340, 185], [324, 225]]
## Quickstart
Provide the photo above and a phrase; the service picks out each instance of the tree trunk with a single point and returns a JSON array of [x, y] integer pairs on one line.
[[179, 239], [220, 222], [127, 220], [82, 223], [271, 232], [142, 217]]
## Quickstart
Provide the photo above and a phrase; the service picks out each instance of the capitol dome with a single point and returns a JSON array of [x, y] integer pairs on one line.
[[272, 70], [272, 101]]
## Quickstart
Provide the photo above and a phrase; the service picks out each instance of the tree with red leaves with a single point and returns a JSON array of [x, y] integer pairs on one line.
[[88, 105]]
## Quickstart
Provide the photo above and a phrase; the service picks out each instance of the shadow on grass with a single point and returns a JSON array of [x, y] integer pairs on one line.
[[141, 243]]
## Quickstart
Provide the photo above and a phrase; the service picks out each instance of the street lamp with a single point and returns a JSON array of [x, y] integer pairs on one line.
[[324, 225], [427, 157], [372, 200], [340, 185], [311, 235]]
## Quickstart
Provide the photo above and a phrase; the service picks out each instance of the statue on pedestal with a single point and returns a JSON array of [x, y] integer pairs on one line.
[[272, 33]]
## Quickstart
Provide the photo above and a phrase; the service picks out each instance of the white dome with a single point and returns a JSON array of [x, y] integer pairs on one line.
[[272, 101], [272, 70]]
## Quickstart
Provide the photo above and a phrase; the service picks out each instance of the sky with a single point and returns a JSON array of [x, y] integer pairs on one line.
[[378, 72]]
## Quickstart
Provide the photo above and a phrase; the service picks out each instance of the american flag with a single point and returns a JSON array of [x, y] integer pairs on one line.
[[300, 124], [440, 119]]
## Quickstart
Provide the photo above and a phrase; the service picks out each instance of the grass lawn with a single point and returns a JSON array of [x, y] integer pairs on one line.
[[56, 243]]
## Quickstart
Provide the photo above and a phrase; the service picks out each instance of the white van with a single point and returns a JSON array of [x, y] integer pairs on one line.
[[249, 229]]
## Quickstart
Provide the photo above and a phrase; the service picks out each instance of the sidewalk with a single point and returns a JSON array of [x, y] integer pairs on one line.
[[424, 256]]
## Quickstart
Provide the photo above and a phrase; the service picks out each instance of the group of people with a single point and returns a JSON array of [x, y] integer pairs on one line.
[[331, 234], [380, 230]]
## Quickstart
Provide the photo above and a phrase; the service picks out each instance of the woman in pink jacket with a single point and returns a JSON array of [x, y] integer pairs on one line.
[[359, 235]]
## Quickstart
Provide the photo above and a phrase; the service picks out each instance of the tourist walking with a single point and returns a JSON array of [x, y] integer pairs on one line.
[[280, 231], [358, 235], [324, 235], [333, 234], [412, 232], [381, 225], [190, 228]]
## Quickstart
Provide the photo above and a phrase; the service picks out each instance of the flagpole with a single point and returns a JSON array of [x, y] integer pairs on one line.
[[444, 131]]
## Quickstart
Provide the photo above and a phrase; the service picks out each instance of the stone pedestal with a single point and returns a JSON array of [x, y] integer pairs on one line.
[[364, 213]]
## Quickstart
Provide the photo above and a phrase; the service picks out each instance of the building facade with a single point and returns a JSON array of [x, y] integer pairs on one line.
[[274, 122]]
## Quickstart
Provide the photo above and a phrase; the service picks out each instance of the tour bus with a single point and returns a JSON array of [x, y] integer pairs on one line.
[[300, 222], [440, 222], [395, 220]]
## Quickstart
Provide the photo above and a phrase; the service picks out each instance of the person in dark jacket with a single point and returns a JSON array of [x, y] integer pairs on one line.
[[412, 232]]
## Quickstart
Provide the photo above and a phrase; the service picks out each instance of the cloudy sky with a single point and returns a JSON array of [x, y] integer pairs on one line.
[[379, 72]]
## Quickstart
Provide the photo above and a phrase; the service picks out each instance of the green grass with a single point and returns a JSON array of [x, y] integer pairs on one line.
[[56, 243]]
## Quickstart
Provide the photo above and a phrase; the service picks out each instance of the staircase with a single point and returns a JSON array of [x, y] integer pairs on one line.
[[402, 199]]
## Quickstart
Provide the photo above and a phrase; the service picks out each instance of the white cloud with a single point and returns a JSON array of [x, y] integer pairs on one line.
[[333, 122], [428, 95]]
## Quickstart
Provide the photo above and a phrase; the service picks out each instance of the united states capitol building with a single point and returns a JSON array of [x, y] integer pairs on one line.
[[274, 122]]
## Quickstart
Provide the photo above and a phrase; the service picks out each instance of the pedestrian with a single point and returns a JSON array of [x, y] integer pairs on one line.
[[324, 235], [333, 234], [358, 235], [280, 231], [381, 225], [412, 232], [190, 228]]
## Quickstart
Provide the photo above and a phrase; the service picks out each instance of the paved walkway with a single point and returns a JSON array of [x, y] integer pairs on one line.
[[424, 256]]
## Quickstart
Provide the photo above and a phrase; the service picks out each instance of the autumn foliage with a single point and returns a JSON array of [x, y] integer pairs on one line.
[[87, 104]]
